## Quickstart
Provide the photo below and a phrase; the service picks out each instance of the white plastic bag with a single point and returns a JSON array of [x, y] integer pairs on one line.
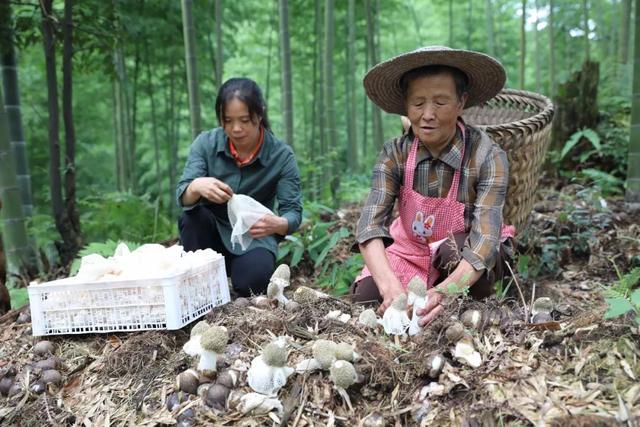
[[244, 211]]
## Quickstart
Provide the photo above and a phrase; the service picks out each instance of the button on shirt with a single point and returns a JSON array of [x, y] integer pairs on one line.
[[483, 188], [272, 178]]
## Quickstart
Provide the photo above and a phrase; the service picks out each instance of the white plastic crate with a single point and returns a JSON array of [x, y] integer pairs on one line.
[[66, 307]]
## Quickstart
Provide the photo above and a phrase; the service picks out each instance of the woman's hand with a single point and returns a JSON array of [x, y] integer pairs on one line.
[[389, 293], [212, 189], [432, 309], [268, 225]]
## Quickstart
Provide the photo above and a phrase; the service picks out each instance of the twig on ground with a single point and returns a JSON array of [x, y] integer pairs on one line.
[[524, 303]]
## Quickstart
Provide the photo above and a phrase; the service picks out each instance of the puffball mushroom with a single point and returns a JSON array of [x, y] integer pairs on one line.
[[42, 348], [281, 276], [418, 299], [213, 342], [542, 305], [324, 352], [345, 351], [188, 381], [276, 291], [472, 319], [434, 364], [343, 375], [193, 346], [395, 320], [454, 332], [268, 371], [368, 318], [304, 295]]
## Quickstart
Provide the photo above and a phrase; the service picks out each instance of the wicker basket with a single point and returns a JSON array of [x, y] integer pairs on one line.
[[520, 122]]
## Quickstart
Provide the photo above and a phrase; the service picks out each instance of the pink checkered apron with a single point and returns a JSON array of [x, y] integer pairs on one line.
[[422, 220]]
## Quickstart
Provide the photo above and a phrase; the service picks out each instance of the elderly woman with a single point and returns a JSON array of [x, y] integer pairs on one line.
[[240, 157], [448, 177]]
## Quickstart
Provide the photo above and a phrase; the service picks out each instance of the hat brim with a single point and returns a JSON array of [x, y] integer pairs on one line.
[[486, 76]]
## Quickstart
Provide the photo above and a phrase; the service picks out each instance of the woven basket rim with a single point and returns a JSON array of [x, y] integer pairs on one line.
[[540, 119]]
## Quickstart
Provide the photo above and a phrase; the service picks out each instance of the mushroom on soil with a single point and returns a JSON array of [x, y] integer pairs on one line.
[[43, 348], [213, 342]]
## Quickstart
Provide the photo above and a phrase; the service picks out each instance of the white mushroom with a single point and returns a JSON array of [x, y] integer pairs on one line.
[[259, 404], [343, 375], [308, 365], [193, 347], [368, 318], [395, 320], [213, 342], [465, 352], [275, 291], [418, 299], [279, 280], [345, 351], [268, 372]]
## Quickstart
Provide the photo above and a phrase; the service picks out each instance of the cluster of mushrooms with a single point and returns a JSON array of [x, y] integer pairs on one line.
[[268, 371], [41, 376]]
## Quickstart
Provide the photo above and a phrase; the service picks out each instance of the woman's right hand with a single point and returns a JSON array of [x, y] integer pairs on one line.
[[212, 189], [389, 292]]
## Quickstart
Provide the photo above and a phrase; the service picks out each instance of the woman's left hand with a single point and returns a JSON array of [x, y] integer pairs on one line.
[[432, 309], [268, 225]]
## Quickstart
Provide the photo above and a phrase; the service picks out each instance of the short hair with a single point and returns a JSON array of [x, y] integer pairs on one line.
[[460, 79], [247, 91]]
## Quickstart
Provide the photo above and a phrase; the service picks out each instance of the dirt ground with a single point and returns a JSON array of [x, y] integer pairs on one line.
[[576, 369]]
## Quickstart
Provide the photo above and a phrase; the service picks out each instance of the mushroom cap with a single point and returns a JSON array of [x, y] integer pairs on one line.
[[38, 387], [400, 303], [542, 317], [228, 378], [199, 328], [542, 305], [472, 318], [343, 374], [275, 354], [434, 364], [291, 306], [241, 302], [417, 286], [273, 290], [282, 272], [344, 351], [368, 318], [5, 385], [324, 351], [215, 339], [305, 295], [454, 332]]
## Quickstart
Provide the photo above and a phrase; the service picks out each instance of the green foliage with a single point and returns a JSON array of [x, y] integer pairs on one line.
[[457, 288], [588, 134], [338, 276], [106, 249], [621, 298], [124, 216], [18, 296]]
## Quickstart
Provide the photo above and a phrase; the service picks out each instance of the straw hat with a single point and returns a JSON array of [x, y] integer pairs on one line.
[[382, 82]]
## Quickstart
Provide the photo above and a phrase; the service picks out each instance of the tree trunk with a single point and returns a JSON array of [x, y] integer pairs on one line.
[[219, 49], [416, 21], [625, 15], [9, 71], [352, 143], [450, 23], [126, 147], [14, 231], [74, 233], [67, 251], [154, 123], [329, 95], [552, 52], [633, 171], [285, 58], [171, 137], [373, 55], [523, 43], [192, 70], [491, 40], [585, 27], [537, 48], [321, 80], [272, 26], [469, 22]]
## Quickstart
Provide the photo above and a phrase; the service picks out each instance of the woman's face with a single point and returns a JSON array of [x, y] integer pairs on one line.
[[238, 124]]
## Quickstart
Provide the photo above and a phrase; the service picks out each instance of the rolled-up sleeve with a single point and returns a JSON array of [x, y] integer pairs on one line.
[[195, 167], [289, 193], [481, 248], [385, 185]]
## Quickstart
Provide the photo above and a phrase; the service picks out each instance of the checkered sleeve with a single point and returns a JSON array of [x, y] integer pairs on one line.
[[481, 247], [385, 186]]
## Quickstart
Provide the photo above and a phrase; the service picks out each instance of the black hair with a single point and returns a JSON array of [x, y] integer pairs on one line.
[[459, 77], [247, 91]]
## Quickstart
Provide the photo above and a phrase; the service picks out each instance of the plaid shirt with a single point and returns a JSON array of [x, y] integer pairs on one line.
[[482, 189]]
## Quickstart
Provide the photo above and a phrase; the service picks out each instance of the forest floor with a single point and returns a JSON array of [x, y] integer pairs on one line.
[[574, 369]]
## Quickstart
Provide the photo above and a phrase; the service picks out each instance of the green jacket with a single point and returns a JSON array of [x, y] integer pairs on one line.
[[272, 177]]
